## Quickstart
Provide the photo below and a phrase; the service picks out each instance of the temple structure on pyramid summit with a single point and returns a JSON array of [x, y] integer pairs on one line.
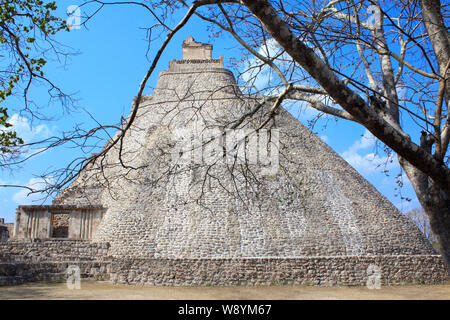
[[208, 189]]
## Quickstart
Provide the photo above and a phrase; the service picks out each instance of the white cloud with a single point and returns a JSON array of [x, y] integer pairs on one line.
[[360, 156], [301, 110], [26, 131], [262, 77], [30, 134], [367, 140], [23, 197], [367, 162], [324, 138]]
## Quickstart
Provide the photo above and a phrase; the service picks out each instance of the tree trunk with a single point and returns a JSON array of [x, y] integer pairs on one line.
[[435, 204], [437, 31], [438, 211]]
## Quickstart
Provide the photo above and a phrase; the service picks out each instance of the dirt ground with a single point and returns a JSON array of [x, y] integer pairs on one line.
[[106, 291]]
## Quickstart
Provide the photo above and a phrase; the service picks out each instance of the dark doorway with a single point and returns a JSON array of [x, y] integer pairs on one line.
[[60, 225]]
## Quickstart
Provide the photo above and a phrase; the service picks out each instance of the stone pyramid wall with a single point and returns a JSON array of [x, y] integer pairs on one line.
[[212, 217]]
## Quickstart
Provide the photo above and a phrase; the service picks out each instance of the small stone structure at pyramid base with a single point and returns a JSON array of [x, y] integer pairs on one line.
[[218, 212], [5, 230]]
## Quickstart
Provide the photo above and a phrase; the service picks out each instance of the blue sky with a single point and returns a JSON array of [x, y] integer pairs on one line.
[[105, 77]]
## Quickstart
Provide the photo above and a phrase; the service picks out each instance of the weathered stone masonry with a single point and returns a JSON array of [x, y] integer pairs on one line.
[[314, 221], [45, 222], [323, 271], [5, 230], [25, 260], [31, 260], [48, 261]]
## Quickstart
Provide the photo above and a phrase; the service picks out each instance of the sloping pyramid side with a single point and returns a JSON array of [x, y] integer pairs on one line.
[[315, 205]]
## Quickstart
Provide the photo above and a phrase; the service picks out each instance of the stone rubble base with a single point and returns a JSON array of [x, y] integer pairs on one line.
[[23, 261], [54, 250], [15, 273], [323, 271]]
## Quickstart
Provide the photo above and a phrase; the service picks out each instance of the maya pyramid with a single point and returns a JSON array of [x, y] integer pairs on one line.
[[277, 203]]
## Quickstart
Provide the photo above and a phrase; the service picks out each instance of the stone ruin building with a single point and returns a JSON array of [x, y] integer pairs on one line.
[[5, 230], [186, 200]]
